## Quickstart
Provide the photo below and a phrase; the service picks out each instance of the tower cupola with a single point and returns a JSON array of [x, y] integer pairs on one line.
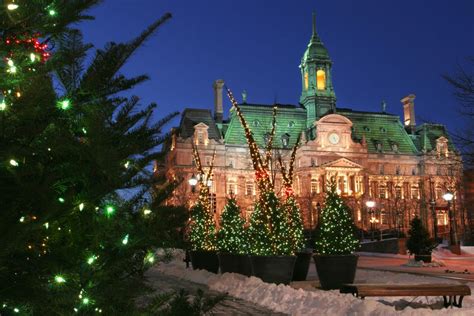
[[317, 94]]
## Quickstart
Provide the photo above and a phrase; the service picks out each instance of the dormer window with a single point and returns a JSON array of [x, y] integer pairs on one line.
[[256, 123], [366, 129], [285, 140], [379, 146], [383, 130], [266, 138], [395, 147], [201, 136], [321, 79], [442, 146], [291, 124]]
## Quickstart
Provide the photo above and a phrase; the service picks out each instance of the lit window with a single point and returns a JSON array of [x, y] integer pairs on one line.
[[314, 186], [321, 79], [382, 192], [415, 193], [249, 188], [306, 81], [231, 187], [398, 192]]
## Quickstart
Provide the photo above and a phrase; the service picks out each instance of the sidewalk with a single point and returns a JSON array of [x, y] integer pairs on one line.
[[228, 306], [394, 263]]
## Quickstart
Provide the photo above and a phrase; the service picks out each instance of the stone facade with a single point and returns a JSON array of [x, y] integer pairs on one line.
[[405, 168]]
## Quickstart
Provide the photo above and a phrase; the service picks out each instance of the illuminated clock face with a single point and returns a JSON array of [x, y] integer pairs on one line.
[[334, 138]]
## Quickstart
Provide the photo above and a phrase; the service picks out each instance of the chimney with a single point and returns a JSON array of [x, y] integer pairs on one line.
[[218, 108], [409, 112]]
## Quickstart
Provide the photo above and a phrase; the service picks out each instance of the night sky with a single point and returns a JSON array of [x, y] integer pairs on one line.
[[381, 50]]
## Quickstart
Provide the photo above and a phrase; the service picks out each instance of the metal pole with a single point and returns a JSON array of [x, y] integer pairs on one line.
[[452, 237]]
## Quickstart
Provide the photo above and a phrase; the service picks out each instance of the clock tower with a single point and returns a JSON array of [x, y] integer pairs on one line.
[[317, 94]]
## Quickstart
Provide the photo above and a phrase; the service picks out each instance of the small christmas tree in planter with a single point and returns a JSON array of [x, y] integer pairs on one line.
[[202, 235], [335, 243], [272, 256], [419, 242], [232, 241], [295, 222]]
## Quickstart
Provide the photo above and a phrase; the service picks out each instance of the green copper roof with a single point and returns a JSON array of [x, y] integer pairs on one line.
[[427, 134], [290, 121], [382, 128]]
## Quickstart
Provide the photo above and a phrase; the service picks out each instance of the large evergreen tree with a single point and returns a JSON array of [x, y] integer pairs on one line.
[[336, 233], [419, 241], [68, 142], [232, 235]]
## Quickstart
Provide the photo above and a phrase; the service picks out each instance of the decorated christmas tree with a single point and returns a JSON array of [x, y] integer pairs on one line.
[[269, 228], [68, 142], [295, 222], [269, 224], [232, 235], [336, 233], [202, 234]]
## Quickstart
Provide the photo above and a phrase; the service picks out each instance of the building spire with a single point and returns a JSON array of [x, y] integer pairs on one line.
[[314, 36]]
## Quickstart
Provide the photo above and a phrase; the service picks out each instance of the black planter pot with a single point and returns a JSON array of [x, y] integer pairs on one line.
[[424, 258], [301, 266], [205, 260], [335, 270], [234, 263], [273, 269]]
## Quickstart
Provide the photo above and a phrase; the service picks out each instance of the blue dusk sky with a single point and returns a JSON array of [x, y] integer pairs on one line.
[[381, 50]]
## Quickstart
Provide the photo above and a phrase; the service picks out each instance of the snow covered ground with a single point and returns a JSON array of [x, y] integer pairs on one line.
[[311, 301]]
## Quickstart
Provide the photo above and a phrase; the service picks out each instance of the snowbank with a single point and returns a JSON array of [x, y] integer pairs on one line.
[[292, 301]]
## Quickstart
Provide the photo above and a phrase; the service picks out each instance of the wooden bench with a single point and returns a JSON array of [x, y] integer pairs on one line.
[[449, 292]]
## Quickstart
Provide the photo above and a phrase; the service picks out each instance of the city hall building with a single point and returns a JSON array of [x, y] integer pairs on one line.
[[404, 167]]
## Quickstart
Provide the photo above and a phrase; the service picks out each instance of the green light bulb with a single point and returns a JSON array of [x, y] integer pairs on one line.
[[12, 6], [81, 206], [13, 162], [59, 279], [64, 104], [109, 209], [52, 12], [91, 259], [61, 200], [125, 240], [3, 104], [85, 301]]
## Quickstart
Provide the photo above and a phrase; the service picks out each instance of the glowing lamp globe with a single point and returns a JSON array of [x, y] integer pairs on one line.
[[370, 204], [448, 196]]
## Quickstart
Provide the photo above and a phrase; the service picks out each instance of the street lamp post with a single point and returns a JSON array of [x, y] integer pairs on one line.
[[193, 182], [448, 197], [370, 204]]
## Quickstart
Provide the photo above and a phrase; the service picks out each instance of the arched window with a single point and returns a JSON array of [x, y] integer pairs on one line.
[[306, 81], [321, 79]]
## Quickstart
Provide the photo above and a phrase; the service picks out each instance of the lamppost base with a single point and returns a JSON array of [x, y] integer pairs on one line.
[[456, 249]]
